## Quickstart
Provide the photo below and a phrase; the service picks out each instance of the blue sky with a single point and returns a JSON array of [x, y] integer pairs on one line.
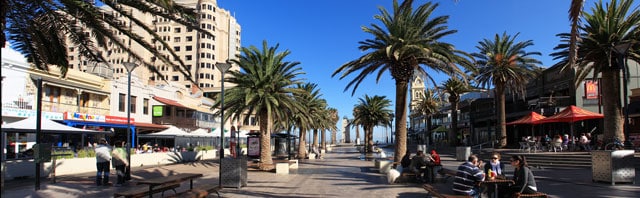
[[323, 35]]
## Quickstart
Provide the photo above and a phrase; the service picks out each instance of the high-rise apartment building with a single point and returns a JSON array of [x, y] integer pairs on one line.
[[200, 52]]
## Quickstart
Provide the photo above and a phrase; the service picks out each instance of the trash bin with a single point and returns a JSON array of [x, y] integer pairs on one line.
[[234, 172], [613, 166], [463, 153]]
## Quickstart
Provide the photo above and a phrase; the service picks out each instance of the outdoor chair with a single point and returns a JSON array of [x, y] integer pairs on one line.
[[523, 146], [555, 146]]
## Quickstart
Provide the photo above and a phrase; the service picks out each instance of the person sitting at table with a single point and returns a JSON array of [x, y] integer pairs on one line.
[[496, 167], [525, 183], [418, 165], [406, 160], [468, 177], [436, 158]]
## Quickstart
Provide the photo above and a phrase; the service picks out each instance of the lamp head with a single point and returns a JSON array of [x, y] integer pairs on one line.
[[130, 66], [223, 67]]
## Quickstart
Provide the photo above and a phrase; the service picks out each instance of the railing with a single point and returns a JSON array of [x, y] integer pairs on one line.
[[61, 107], [478, 147]]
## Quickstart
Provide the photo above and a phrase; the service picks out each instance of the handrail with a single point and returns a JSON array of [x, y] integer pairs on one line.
[[480, 145]]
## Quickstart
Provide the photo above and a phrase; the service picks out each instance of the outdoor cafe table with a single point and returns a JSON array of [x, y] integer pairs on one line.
[[495, 182], [153, 182]]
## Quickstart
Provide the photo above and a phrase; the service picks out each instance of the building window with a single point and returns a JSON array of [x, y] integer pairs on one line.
[[176, 39], [175, 78], [145, 106], [188, 47], [133, 104], [121, 102], [177, 30], [187, 57], [189, 38], [176, 48]]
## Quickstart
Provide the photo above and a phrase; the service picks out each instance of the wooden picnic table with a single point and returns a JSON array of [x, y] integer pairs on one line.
[[177, 178], [495, 182]]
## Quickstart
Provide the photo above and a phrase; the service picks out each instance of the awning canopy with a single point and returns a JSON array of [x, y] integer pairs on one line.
[[572, 114], [168, 102], [47, 126], [531, 118]]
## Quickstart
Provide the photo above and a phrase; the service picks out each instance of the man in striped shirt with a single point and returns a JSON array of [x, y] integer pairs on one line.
[[468, 176]]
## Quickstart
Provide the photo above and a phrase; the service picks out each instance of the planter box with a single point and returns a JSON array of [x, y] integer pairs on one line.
[[233, 172], [613, 166]]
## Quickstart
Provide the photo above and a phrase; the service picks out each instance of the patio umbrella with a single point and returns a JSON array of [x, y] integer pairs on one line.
[[532, 119], [571, 114]]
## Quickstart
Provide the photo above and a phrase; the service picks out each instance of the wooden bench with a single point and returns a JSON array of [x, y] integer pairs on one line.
[[447, 173], [434, 193], [537, 194], [201, 191], [143, 191]]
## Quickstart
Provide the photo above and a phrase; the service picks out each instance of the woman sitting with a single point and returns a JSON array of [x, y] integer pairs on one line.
[[525, 183]]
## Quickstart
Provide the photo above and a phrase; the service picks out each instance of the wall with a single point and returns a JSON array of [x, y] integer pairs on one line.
[[26, 168]]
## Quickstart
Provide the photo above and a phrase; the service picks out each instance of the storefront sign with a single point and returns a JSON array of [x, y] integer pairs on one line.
[[118, 119], [84, 117], [591, 89], [25, 113], [157, 110]]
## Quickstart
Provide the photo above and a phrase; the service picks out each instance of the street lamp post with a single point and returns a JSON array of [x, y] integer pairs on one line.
[[223, 67], [130, 67], [621, 50]]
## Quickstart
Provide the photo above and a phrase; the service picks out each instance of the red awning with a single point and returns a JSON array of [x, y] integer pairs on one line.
[[151, 125], [571, 114], [532, 118], [168, 102]]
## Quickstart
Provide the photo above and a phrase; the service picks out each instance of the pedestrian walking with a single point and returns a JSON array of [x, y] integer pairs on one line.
[[103, 157], [119, 161]]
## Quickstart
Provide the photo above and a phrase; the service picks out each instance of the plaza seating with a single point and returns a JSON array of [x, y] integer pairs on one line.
[[434, 193]]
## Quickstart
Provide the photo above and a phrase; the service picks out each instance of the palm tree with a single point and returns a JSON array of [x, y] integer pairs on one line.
[[371, 112], [309, 97], [333, 119], [39, 29], [265, 85], [574, 15], [428, 106], [408, 40], [504, 64], [455, 87], [608, 26]]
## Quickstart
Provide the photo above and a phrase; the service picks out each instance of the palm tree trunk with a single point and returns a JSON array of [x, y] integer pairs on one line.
[[453, 132], [357, 132], [315, 138], [265, 139], [302, 149], [401, 119], [502, 127], [613, 125], [369, 133], [429, 129], [323, 143]]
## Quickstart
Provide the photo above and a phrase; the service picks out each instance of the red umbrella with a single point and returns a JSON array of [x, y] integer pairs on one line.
[[532, 118], [571, 114]]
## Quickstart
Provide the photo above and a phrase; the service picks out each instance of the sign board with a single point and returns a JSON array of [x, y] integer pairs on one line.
[[591, 89], [157, 111], [253, 149]]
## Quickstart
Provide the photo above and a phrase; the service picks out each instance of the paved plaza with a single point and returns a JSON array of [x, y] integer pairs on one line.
[[341, 173]]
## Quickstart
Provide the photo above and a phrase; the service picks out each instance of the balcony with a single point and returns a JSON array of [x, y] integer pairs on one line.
[[61, 108]]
